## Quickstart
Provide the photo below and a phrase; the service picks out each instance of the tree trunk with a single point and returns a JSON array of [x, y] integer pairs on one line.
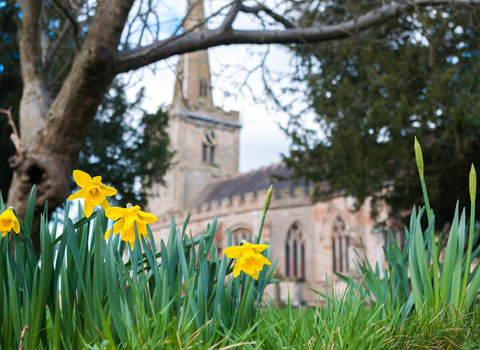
[[54, 131], [51, 176]]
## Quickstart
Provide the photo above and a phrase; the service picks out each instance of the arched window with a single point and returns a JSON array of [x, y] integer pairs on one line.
[[204, 153], [340, 242], [212, 155], [295, 252], [239, 234], [209, 142], [203, 88]]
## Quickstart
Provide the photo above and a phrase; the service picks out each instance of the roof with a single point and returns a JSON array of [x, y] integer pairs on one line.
[[249, 182]]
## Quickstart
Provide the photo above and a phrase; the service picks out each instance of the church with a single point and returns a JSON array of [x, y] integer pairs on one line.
[[311, 240]]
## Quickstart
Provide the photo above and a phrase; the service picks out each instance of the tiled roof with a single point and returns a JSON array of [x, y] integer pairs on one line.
[[252, 181]]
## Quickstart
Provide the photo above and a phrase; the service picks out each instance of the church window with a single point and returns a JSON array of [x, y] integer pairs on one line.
[[209, 142], [340, 243], [239, 234], [203, 88], [295, 252], [205, 152], [212, 155], [287, 259], [302, 262]]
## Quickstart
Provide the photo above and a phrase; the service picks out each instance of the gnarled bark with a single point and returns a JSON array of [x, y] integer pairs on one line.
[[53, 132]]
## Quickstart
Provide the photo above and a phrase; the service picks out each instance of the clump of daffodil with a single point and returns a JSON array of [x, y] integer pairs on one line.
[[92, 190], [8, 222], [125, 225], [249, 259]]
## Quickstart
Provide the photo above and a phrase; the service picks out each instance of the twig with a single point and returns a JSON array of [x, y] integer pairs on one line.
[[14, 136], [76, 29], [21, 337]]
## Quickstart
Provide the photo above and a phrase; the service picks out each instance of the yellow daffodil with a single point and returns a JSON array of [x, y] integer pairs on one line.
[[128, 216], [249, 259], [92, 190], [8, 221]]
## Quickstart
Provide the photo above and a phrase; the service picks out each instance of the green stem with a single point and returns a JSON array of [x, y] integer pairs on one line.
[[260, 231], [427, 202], [469, 253], [434, 246]]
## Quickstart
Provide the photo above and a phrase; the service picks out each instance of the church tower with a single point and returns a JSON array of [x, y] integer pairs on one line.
[[204, 137]]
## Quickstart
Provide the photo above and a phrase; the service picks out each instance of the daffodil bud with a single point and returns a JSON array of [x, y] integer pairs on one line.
[[268, 200], [473, 184], [419, 157]]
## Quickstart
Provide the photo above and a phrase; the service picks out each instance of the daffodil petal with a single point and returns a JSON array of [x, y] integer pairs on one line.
[[78, 194], [259, 247], [115, 213], [107, 233], [16, 226], [233, 252], [88, 209], [265, 260], [105, 205], [147, 217], [117, 227], [82, 178], [254, 275], [109, 191], [236, 270]]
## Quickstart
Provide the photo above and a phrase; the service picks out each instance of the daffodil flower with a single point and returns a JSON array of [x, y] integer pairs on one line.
[[92, 190], [249, 259], [125, 225], [8, 221]]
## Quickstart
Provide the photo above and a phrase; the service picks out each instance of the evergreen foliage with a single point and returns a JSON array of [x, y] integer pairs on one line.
[[133, 156], [373, 95]]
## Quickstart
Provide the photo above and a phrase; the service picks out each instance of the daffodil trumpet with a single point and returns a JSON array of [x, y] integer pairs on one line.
[[249, 259], [9, 222], [126, 220]]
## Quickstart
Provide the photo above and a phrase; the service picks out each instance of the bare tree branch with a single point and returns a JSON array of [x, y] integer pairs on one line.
[[14, 135], [193, 41], [174, 37], [76, 29], [260, 7], [55, 45], [232, 14]]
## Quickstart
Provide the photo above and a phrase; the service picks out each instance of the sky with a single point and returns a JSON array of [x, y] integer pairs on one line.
[[261, 120]]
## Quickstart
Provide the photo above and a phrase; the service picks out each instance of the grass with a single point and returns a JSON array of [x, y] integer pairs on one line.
[[312, 328], [80, 294]]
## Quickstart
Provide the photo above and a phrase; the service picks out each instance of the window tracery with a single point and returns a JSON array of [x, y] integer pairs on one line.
[[239, 234], [209, 142], [295, 252], [340, 244]]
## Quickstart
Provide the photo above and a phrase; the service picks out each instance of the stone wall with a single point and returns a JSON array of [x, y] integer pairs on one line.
[[315, 220]]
